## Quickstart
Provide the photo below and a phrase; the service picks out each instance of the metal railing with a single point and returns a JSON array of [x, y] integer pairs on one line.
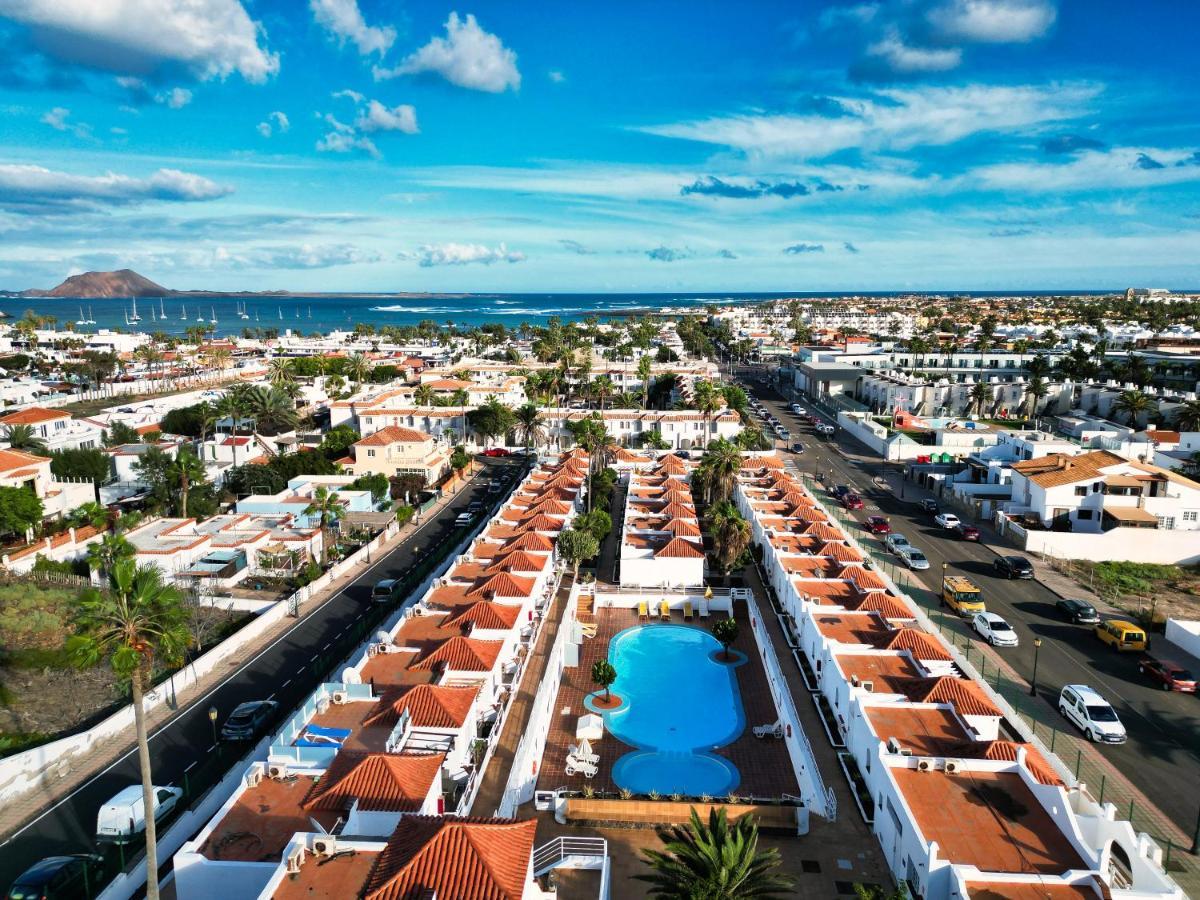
[[555, 852]]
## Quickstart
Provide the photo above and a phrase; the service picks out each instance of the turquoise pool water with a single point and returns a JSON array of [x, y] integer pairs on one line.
[[679, 705]]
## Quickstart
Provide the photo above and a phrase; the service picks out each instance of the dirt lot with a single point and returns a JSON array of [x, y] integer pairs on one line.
[[1145, 591]]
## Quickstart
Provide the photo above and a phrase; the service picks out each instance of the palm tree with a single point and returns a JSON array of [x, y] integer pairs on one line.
[[709, 399], [271, 408], [1034, 392], [328, 508], [1187, 416], [529, 426], [721, 464], [602, 389], [189, 470], [358, 367], [643, 369], [730, 534], [219, 359], [279, 372], [715, 861], [231, 406], [979, 396], [23, 437], [423, 395], [134, 622], [1134, 405], [460, 398], [111, 549]]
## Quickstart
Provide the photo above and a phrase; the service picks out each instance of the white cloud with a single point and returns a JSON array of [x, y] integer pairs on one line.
[[213, 38], [59, 119], [344, 20], [35, 188], [274, 121], [348, 95], [304, 256], [556, 76], [893, 119], [858, 14], [993, 21], [176, 98], [341, 141], [454, 254], [1114, 169], [468, 56], [904, 58], [378, 117]]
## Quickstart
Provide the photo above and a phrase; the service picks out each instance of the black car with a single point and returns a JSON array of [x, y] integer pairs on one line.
[[1013, 567], [841, 490], [930, 506], [797, 447], [60, 878], [1079, 612], [245, 721]]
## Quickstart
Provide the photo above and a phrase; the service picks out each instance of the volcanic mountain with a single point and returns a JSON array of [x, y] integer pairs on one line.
[[89, 285]]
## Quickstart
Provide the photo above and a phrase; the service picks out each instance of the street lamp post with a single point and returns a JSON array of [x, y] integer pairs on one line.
[[212, 721], [1037, 645]]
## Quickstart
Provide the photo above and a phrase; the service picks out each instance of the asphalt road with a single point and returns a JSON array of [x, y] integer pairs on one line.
[[1161, 757], [68, 824]]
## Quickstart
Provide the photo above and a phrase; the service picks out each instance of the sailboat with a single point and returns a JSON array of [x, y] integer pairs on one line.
[[199, 315], [213, 320], [279, 309], [125, 310], [242, 314], [91, 320], [162, 312], [135, 317], [153, 314], [184, 316], [81, 320], [256, 315], [310, 312]]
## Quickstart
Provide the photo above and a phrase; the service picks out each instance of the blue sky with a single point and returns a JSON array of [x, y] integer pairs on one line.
[[393, 146]]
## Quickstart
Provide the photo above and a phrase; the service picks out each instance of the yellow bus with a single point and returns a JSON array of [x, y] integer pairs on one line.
[[962, 595]]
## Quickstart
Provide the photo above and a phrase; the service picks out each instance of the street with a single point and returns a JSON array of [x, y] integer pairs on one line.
[[284, 671], [1162, 755]]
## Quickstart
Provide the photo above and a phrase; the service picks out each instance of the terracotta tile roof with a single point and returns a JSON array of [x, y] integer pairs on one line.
[[677, 511], [519, 561], [1167, 474], [676, 484], [678, 548], [841, 552], [672, 465], [677, 496], [380, 782], [448, 384], [963, 694], [530, 540], [886, 605], [503, 584], [1034, 761], [463, 655], [14, 459], [624, 455], [682, 528], [550, 507], [918, 643], [540, 522], [471, 859], [34, 415], [488, 615], [824, 531], [1057, 469], [862, 579], [393, 434], [428, 705], [554, 494]]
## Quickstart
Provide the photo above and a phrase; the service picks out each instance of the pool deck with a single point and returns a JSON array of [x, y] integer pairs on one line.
[[764, 764]]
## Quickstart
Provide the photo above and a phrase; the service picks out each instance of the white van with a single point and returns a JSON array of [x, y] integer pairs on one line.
[[124, 816], [1092, 714]]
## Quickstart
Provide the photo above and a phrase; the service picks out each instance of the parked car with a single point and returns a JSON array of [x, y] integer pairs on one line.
[[384, 590], [800, 410], [930, 506], [682, 454], [124, 816], [878, 525], [1091, 714], [967, 532], [1122, 636], [1170, 675], [895, 542], [826, 429], [852, 501], [913, 558], [475, 506], [797, 447], [464, 519], [841, 490], [795, 407], [248, 718], [494, 487], [74, 877], [784, 434], [993, 629], [1080, 612], [496, 451], [946, 520], [1013, 567]]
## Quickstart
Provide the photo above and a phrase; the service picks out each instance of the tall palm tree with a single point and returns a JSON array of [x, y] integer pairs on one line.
[[279, 372], [327, 507], [111, 549], [135, 623], [721, 464], [979, 397], [460, 398], [423, 395], [730, 534], [188, 468], [529, 426], [717, 860], [1187, 416], [232, 406], [1133, 405], [23, 437], [602, 389], [1034, 392], [271, 408], [358, 367], [644, 367]]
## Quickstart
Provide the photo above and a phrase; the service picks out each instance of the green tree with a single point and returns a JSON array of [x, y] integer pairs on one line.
[[979, 396], [103, 555], [605, 675], [189, 421], [719, 467], [714, 861], [423, 395], [644, 367], [529, 426], [91, 464], [118, 433], [460, 459], [20, 510], [186, 470], [272, 410], [23, 437], [461, 398], [875, 892], [491, 420], [598, 523], [725, 631], [1187, 415], [338, 440], [358, 367], [327, 507], [136, 623], [730, 535], [1133, 405], [88, 514], [574, 546]]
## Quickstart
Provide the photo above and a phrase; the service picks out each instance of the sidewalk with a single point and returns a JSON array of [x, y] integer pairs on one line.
[[74, 771]]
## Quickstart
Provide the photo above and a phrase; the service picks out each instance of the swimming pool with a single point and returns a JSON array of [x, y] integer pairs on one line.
[[679, 705]]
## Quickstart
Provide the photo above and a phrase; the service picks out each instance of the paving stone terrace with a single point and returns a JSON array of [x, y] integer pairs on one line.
[[764, 764]]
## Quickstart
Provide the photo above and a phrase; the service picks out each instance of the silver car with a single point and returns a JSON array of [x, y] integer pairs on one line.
[[913, 558]]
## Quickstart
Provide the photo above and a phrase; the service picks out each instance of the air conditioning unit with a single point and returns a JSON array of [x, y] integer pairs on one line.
[[953, 765], [868, 686], [277, 771], [893, 745], [326, 845], [254, 777], [925, 764], [340, 697], [294, 860]]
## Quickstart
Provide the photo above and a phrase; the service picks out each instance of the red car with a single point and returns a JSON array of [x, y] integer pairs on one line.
[[852, 501], [878, 525], [1170, 675], [967, 532], [497, 451]]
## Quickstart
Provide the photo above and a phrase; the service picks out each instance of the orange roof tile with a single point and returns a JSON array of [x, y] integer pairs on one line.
[[824, 531], [862, 579], [393, 434], [843, 553], [682, 528], [488, 615], [963, 694], [34, 415], [678, 548], [428, 706], [550, 507], [503, 584], [13, 459], [540, 522], [1034, 761], [463, 655], [380, 782], [530, 540], [678, 510], [519, 561], [1057, 469], [918, 643], [886, 605], [472, 859]]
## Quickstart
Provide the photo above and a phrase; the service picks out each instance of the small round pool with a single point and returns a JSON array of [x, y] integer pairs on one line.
[[691, 774]]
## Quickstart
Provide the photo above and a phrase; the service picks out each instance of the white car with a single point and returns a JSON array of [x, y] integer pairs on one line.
[[946, 520], [1092, 714], [825, 428], [895, 541], [124, 816], [913, 558], [994, 630]]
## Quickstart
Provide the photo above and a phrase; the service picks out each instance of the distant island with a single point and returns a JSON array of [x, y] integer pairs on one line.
[[126, 283]]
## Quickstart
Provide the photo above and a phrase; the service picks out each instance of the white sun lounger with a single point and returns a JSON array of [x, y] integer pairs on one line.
[[578, 766], [763, 731]]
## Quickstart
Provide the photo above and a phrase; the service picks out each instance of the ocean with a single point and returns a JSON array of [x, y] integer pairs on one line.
[[234, 313]]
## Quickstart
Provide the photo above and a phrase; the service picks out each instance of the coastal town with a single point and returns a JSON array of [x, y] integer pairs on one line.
[[527, 612]]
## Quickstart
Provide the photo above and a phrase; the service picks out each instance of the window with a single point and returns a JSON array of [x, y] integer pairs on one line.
[[1191, 515], [1167, 523], [1083, 514], [1081, 491], [370, 453]]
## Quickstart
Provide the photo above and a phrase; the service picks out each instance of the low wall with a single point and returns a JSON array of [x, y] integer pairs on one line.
[[653, 813], [31, 769], [1146, 545], [1185, 635]]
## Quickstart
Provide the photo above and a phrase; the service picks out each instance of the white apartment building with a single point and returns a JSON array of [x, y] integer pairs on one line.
[[56, 428]]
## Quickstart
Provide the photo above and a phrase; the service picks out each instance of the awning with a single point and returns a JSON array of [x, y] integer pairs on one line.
[[1133, 515], [1124, 481]]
